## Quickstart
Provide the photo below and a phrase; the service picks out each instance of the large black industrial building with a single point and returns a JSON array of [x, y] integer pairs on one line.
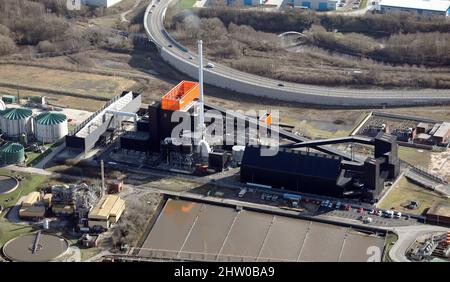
[[322, 174], [325, 171], [332, 172]]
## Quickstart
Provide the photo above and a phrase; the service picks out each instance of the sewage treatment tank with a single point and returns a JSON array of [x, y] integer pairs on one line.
[[15, 121], [50, 126], [12, 153]]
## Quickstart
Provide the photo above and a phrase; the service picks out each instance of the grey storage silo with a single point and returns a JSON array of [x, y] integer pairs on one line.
[[15, 121], [12, 153], [50, 126]]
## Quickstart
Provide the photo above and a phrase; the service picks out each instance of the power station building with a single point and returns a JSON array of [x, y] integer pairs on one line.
[[86, 135], [324, 174]]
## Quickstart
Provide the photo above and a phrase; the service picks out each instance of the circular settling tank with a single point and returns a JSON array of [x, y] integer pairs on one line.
[[7, 184], [35, 247]]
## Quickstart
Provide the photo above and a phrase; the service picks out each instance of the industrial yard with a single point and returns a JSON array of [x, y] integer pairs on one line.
[[112, 153]]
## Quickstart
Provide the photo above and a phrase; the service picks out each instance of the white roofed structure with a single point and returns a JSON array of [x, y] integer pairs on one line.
[[435, 7]]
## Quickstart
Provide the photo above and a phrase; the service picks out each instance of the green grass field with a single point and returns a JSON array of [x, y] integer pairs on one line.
[[406, 191], [186, 4], [10, 230], [31, 182], [391, 238], [31, 156], [363, 4], [417, 157]]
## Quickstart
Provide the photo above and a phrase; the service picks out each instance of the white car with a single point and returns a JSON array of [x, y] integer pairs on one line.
[[372, 211], [367, 220], [210, 65], [398, 215], [380, 213]]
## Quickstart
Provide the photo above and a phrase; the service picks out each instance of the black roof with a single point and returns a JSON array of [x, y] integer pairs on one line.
[[295, 162]]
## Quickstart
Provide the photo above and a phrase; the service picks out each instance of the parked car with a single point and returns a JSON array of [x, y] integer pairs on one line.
[[389, 214], [348, 207], [380, 213], [338, 205], [372, 211], [360, 210], [367, 220], [210, 65], [398, 215]]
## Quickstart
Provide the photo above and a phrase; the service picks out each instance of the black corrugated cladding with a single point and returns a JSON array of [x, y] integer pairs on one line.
[[161, 125], [293, 170], [136, 141]]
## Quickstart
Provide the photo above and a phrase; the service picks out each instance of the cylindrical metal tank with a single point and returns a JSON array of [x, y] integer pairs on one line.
[[12, 153], [237, 153], [15, 121], [50, 126]]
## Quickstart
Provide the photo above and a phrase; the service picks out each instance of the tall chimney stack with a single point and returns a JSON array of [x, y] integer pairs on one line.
[[200, 81], [102, 168]]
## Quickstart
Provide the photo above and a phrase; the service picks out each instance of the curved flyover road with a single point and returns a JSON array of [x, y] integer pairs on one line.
[[224, 77]]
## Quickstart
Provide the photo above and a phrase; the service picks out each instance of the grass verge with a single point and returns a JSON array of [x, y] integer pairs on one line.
[[391, 238], [186, 4], [406, 191], [30, 182]]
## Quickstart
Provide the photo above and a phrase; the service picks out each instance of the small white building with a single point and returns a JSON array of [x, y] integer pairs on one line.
[[100, 3], [241, 3], [424, 7]]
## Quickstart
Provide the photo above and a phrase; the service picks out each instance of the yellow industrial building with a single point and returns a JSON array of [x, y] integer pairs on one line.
[[30, 207], [107, 211]]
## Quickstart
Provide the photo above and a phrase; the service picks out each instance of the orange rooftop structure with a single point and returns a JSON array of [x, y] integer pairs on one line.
[[180, 96]]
